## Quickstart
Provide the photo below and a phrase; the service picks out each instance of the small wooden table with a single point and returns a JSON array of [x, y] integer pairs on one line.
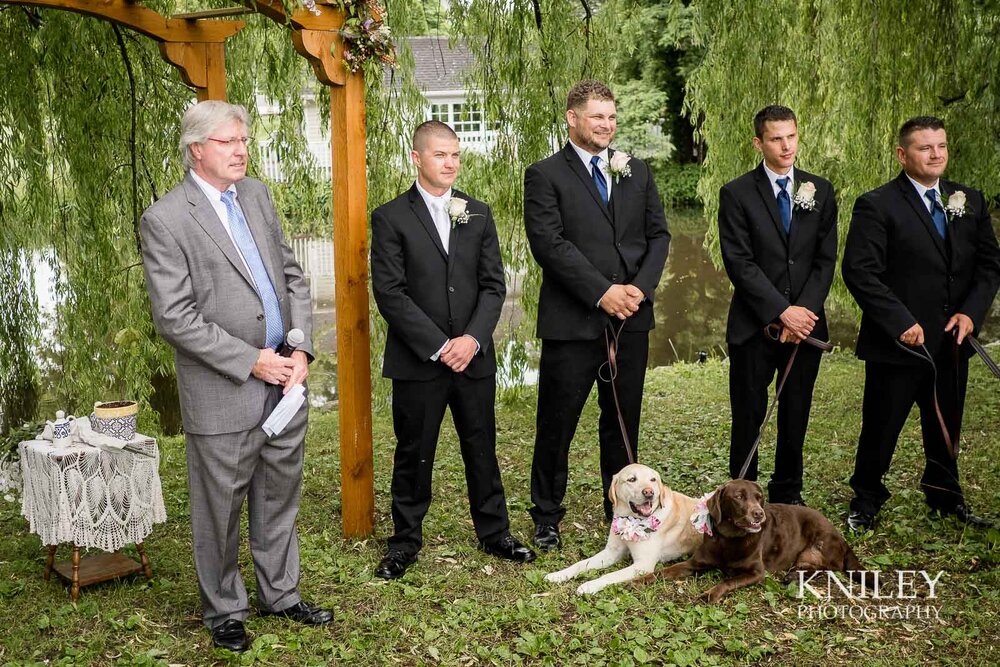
[[92, 498]]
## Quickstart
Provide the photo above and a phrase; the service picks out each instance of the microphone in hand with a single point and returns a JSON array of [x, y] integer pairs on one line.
[[293, 340]]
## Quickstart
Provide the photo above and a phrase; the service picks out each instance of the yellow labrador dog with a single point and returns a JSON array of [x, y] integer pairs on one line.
[[652, 523]]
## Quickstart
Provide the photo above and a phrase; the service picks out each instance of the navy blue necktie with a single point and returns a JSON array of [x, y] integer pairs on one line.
[[784, 204], [602, 185], [937, 213], [251, 254]]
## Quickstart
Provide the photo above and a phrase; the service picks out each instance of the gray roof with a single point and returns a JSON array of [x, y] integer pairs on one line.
[[438, 65]]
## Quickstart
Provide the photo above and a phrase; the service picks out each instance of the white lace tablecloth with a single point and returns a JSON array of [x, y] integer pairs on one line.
[[91, 497]]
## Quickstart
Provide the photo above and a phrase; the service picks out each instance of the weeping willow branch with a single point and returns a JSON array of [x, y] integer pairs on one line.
[[132, 136]]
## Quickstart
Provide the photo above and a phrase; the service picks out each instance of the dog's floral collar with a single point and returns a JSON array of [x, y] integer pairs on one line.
[[634, 529], [701, 520]]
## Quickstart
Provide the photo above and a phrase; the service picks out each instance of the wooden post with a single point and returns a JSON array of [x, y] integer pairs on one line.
[[350, 241]]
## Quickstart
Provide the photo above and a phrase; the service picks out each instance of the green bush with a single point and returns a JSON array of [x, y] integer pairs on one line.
[[677, 183]]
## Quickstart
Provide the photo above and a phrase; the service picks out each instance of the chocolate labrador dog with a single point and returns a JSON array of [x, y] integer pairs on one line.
[[750, 537]]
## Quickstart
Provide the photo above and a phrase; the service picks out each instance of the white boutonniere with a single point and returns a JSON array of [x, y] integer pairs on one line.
[[954, 204], [618, 166], [805, 197], [457, 211]]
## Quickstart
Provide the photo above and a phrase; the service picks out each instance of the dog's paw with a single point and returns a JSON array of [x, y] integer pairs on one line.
[[557, 577], [588, 588], [712, 595]]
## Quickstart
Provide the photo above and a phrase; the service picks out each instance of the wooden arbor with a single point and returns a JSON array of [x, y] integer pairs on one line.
[[195, 45]]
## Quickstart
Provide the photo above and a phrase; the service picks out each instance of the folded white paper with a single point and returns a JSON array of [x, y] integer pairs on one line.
[[285, 410]]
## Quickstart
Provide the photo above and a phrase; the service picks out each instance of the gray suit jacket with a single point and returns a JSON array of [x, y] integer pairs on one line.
[[204, 304]]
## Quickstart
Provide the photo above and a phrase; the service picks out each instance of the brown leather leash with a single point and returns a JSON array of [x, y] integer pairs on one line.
[[611, 343], [773, 332], [951, 442]]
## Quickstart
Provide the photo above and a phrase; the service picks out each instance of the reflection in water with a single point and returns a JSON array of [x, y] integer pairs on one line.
[[692, 304]]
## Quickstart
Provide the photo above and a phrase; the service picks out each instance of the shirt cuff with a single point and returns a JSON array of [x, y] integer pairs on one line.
[[434, 357]]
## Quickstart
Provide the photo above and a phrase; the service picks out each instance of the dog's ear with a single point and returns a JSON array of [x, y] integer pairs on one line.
[[612, 494], [714, 505], [664, 493]]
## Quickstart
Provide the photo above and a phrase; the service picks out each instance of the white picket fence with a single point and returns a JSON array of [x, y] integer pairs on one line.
[[315, 256]]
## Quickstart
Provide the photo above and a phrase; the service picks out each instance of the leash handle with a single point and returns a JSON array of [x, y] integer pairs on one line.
[[611, 343], [773, 331]]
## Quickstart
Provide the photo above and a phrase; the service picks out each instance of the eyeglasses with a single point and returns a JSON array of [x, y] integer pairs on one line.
[[231, 143]]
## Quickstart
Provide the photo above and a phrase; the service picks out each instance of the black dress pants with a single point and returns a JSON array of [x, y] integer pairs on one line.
[[417, 411], [753, 367], [567, 372], [890, 392]]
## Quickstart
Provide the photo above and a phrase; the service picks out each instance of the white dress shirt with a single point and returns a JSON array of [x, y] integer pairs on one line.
[[773, 177], [438, 206], [215, 199], [922, 191], [586, 156]]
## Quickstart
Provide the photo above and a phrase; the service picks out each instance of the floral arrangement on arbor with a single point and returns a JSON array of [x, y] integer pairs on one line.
[[366, 34]]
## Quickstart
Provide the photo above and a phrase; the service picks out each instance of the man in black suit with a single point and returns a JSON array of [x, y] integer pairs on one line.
[[778, 235], [922, 262], [596, 227], [438, 282]]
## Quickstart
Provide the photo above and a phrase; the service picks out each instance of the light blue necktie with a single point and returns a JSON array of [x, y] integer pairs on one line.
[[251, 254], [602, 185], [784, 204], [937, 213]]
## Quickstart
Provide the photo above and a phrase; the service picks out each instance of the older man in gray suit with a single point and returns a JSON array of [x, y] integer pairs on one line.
[[224, 288]]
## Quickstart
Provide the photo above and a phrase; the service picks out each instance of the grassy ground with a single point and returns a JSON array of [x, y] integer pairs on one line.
[[458, 606]]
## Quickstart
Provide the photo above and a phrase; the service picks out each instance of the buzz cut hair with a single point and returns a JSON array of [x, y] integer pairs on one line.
[[915, 125], [770, 114], [586, 90], [431, 128]]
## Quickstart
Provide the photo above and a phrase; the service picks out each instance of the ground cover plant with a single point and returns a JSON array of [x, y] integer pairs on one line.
[[458, 606]]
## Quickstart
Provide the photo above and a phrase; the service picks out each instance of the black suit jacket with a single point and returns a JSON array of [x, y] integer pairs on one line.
[[901, 272], [769, 268], [584, 247], [427, 296]]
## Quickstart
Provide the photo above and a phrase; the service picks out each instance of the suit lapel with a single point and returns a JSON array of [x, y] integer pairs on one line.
[[422, 213], [454, 235], [770, 201], [204, 213], [913, 199], [797, 233], [616, 197], [577, 167], [949, 188]]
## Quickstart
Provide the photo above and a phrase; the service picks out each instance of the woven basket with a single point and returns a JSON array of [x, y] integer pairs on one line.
[[111, 409], [115, 418]]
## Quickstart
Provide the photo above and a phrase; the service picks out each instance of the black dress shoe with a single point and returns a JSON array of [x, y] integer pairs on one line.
[[231, 635], [965, 515], [303, 612], [860, 521], [394, 565], [789, 501], [547, 537], [509, 548]]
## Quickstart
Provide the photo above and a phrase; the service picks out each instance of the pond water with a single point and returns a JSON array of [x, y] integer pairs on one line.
[[692, 301]]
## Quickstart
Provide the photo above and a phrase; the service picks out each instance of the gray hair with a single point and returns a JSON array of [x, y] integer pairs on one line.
[[202, 119]]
